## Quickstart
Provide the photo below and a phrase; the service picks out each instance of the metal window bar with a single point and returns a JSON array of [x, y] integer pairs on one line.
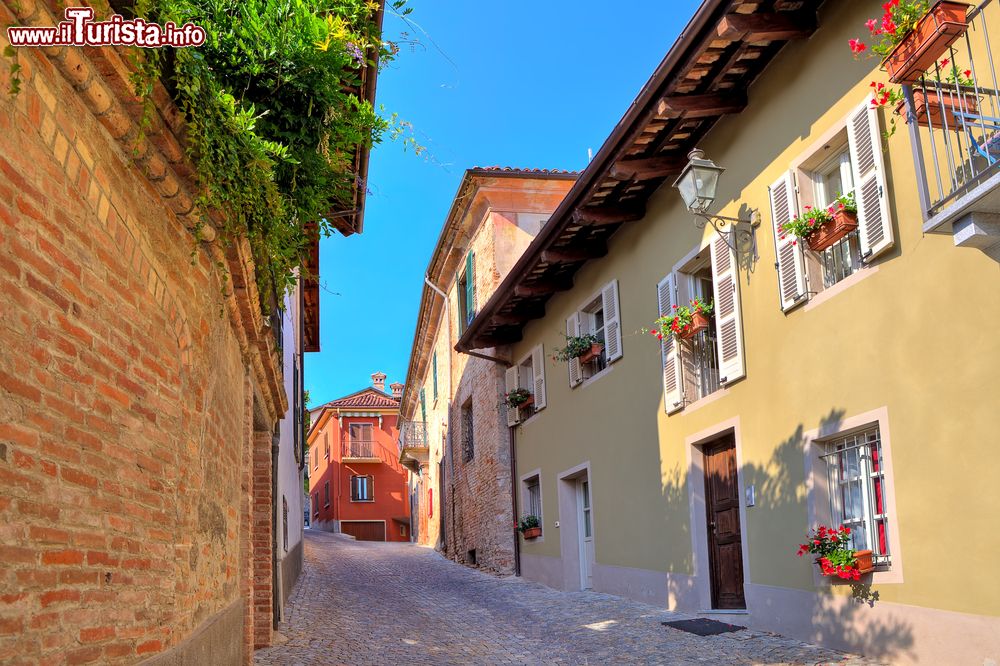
[[856, 479], [841, 260], [704, 351], [964, 141], [359, 448]]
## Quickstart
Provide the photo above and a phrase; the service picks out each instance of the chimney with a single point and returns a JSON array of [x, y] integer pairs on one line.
[[378, 381], [397, 390]]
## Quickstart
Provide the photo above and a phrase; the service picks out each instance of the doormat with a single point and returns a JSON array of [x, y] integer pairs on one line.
[[703, 626]]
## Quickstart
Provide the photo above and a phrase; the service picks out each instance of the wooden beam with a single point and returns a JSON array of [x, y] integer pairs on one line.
[[600, 215], [702, 106], [647, 168], [570, 255], [508, 320], [766, 27], [542, 288]]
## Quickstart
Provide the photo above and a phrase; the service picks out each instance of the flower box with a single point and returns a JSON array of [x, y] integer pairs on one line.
[[699, 323], [592, 353], [828, 233], [931, 102], [939, 28], [532, 532]]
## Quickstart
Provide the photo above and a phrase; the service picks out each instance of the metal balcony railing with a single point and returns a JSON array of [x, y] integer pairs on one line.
[[359, 448], [953, 113], [413, 435], [703, 363]]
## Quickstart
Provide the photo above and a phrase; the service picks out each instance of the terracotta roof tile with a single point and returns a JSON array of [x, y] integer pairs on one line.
[[509, 169], [367, 397]]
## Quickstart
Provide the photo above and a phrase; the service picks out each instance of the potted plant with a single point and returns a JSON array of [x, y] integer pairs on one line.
[[519, 397], [910, 36], [583, 347], [685, 322], [530, 527], [821, 228], [834, 557], [959, 97]]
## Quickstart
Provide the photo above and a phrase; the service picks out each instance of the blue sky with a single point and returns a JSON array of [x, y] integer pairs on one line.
[[514, 83]]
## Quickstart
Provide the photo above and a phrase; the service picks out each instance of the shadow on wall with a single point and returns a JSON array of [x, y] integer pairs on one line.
[[777, 522]]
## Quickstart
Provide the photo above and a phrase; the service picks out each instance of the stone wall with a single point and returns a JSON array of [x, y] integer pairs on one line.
[[130, 386]]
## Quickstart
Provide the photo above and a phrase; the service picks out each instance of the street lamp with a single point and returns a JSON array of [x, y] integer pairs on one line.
[[697, 185]]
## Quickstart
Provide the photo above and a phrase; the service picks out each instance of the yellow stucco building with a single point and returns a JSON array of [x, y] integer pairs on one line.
[[855, 386]]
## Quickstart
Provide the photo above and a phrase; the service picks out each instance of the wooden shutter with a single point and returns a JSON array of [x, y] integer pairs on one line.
[[573, 330], [612, 321], [787, 248], [673, 384], [510, 383], [538, 372], [865, 141], [423, 406], [470, 287], [728, 318]]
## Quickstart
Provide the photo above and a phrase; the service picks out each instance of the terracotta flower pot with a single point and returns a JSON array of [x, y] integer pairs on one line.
[[931, 102], [529, 401], [944, 23], [592, 353], [532, 532], [863, 558], [699, 323], [828, 233]]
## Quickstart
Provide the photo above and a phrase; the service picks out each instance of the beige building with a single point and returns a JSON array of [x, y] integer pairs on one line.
[[854, 386], [453, 433]]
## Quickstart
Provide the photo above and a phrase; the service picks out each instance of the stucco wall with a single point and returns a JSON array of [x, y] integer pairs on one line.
[[913, 336]]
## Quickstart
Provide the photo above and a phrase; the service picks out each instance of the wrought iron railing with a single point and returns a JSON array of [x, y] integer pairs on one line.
[[704, 351], [359, 448], [413, 435], [953, 113]]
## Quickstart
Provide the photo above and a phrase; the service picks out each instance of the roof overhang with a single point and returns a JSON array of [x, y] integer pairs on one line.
[[703, 77]]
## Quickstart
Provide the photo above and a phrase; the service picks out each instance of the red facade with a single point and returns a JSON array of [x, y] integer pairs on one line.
[[356, 484]]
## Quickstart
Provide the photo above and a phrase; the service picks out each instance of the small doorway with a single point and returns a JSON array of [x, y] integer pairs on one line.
[[586, 534], [722, 501]]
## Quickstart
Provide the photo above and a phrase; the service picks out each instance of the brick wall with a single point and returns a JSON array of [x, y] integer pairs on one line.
[[126, 393]]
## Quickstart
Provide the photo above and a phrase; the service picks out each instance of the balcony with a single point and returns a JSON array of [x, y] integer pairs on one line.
[[360, 450], [413, 449], [953, 120]]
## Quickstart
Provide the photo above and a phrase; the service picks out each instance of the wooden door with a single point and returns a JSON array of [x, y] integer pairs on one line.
[[722, 500], [367, 530]]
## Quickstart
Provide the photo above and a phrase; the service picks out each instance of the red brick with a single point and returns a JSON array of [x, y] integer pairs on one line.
[[48, 291], [62, 556], [18, 387], [57, 596], [84, 655], [11, 625], [18, 435], [149, 646], [79, 478], [48, 535], [96, 634]]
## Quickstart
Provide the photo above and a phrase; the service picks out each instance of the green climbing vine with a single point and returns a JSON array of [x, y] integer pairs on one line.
[[272, 124]]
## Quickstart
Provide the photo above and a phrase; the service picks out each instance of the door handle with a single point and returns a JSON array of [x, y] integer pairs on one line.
[[712, 525]]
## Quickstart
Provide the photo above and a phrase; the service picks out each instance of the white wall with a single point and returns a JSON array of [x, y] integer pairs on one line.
[[289, 477]]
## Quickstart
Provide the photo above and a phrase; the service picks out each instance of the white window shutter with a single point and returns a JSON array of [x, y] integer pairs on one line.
[[673, 383], [728, 317], [865, 141], [787, 248], [511, 381], [612, 321], [573, 330], [538, 371]]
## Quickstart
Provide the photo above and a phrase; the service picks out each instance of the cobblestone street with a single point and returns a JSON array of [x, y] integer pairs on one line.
[[383, 603]]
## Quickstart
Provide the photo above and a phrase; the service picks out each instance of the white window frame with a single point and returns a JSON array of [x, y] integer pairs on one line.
[[606, 300], [534, 476], [818, 493]]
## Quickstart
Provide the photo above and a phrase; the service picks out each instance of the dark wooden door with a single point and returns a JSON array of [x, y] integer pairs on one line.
[[365, 530], [722, 499]]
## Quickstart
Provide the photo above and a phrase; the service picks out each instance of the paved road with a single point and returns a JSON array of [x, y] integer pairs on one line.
[[363, 603]]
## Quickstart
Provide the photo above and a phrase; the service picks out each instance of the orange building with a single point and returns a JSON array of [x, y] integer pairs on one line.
[[356, 484]]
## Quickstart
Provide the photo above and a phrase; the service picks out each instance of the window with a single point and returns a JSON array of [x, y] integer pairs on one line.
[[284, 522], [434, 374], [468, 447], [599, 317], [856, 477], [316, 458], [402, 530], [423, 406], [362, 488], [326, 493], [315, 504], [849, 161], [326, 444], [532, 497], [528, 374], [467, 292], [361, 444], [696, 367]]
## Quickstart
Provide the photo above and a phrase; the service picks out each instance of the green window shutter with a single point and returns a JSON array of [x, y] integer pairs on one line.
[[435, 375], [423, 406], [470, 287]]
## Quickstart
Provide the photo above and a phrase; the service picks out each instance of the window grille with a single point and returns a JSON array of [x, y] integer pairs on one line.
[[468, 446]]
